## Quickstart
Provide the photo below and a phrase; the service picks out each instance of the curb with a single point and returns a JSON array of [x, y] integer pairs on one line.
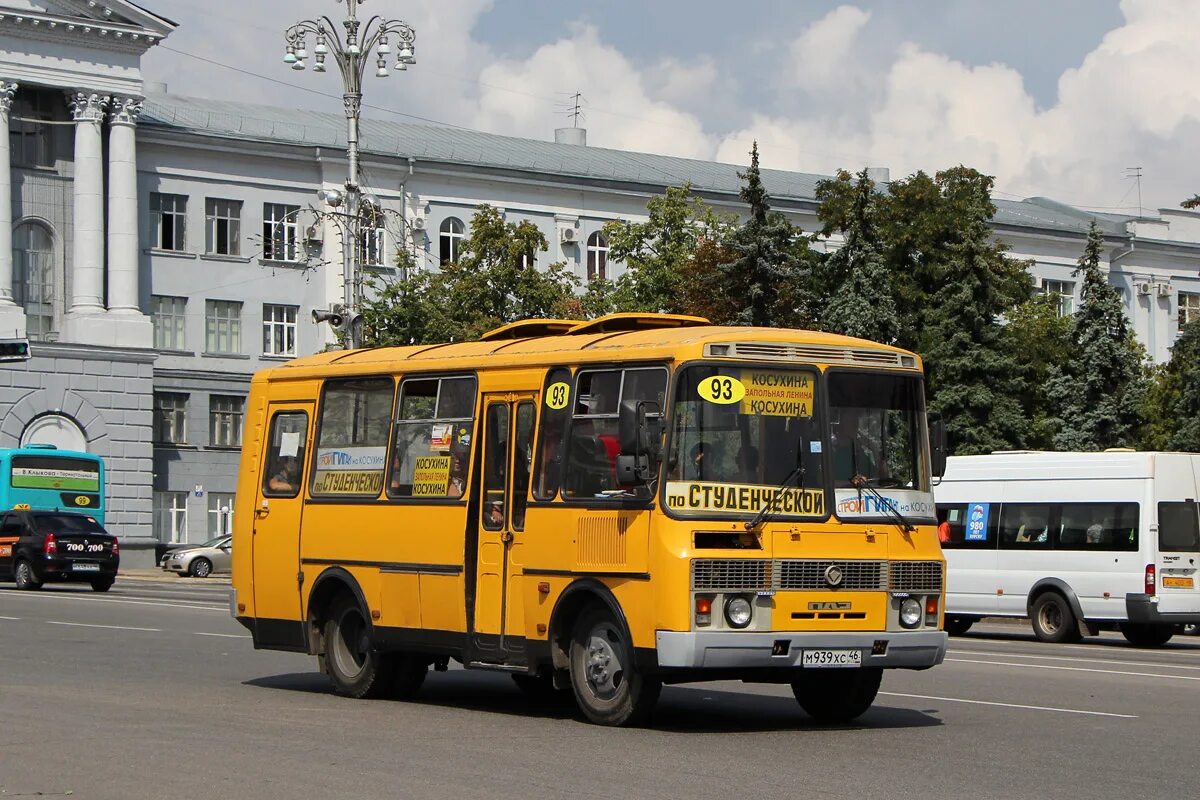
[[160, 576]]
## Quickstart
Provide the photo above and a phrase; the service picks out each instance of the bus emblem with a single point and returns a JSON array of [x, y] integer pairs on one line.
[[833, 576], [83, 500]]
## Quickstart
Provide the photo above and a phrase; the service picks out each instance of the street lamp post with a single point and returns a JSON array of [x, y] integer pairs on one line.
[[359, 44]]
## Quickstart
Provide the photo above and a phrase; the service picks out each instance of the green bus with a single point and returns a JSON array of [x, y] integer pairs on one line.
[[42, 477]]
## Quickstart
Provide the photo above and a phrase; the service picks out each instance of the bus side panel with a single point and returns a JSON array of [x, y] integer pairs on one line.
[[247, 490]]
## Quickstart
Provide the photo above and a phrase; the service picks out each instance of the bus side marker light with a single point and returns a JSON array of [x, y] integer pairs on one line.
[[241, 608], [375, 615], [541, 627], [544, 587]]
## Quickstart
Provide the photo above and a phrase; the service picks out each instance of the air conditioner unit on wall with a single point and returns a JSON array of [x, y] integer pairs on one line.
[[1143, 289], [418, 223], [568, 235], [1164, 289]]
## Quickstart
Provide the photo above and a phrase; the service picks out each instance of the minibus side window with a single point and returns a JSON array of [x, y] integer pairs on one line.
[[1178, 528], [352, 437], [432, 447], [556, 411], [967, 526], [1098, 526], [285, 454], [1025, 526]]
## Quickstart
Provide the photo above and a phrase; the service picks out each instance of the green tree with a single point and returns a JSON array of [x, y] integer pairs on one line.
[[857, 276], [656, 252], [404, 310], [1173, 402], [767, 279], [1100, 390], [1037, 331]]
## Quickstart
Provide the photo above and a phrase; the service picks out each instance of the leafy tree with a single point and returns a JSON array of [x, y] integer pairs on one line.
[[1100, 390], [862, 302], [404, 310], [656, 252], [973, 377], [767, 280], [1040, 335], [702, 288], [1192, 202], [1173, 402]]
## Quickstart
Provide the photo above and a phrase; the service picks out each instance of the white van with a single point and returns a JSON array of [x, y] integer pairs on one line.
[[1073, 541]]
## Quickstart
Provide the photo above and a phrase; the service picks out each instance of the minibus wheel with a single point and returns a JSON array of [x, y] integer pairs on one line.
[[607, 685], [1143, 635], [957, 626], [354, 666], [1053, 620], [837, 695]]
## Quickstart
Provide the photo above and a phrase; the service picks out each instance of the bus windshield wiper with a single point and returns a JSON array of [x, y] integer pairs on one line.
[[798, 475], [863, 484]]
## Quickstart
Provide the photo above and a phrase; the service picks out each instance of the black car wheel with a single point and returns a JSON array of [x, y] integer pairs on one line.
[[200, 568], [102, 584], [25, 577]]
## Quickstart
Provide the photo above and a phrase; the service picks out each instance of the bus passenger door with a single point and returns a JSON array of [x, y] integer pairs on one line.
[[498, 633], [278, 509]]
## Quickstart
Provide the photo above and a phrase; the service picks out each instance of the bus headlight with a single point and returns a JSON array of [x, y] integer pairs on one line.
[[910, 612], [738, 611]]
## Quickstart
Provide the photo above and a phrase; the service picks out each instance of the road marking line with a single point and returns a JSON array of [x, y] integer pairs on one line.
[[89, 599], [1074, 658], [110, 627], [1012, 705], [223, 635], [13, 619], [1099, 645], [1077, 669]]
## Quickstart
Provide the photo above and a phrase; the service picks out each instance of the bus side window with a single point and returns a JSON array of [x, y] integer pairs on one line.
[[556, 410], [285, 454], [431, 448], [521, 458], [1025, 525]]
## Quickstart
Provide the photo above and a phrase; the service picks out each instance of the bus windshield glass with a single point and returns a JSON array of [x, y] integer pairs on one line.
[[740, 432], [877, 436]]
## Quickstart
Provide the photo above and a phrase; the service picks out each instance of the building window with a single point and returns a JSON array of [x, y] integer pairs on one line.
[[279, 330], [529, 259], [33, 278], [222, 326], [168, 212], [220, 514], [1189, 308], [452, 233], [597, 256], [169, 315], [225, 420], [170, 418], [170, 517], [31, 138], [280, 231], [223, 227], [1064, 291], [371, 247]]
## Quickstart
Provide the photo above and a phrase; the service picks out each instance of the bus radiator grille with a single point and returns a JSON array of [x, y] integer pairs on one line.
[[916, 577], [761, 574]]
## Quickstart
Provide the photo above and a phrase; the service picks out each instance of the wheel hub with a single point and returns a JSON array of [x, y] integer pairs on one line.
[[604, 669]]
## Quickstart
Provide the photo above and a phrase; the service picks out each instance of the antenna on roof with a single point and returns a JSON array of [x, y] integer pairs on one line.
[[574, 110], [1136, 174]]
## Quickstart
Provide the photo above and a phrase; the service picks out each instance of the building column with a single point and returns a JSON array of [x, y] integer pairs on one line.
[[122, 206], [87, 263], [12, 316]]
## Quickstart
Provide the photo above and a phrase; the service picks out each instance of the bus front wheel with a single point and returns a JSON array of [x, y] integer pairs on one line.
[[833, 696], [351, 661], [1053, 620], [607, 686], [1144, 635]]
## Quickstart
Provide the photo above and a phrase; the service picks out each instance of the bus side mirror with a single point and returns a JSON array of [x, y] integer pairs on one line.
[[639, 429], [937, 446]]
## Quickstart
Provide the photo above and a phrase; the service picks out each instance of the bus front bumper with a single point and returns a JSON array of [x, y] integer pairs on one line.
[[768, 649]]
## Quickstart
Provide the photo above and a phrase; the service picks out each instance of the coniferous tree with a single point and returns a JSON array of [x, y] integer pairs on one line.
[[862, 302], [765, 281], [1099, 392], [1173, 404]]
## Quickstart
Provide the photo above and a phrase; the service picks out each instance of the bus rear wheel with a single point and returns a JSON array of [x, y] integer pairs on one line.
[[354, 666], [607, 685], [1145, 635], [1053, 620], [832, 696]]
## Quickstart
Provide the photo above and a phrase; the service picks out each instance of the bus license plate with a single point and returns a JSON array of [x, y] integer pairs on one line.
[[1177, 583], [832, 658], [86, 567]]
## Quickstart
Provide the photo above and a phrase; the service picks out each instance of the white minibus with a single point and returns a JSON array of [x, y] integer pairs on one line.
[[1073, 541]]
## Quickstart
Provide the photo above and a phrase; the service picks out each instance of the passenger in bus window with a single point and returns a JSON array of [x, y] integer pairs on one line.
[[458, 470], [287, 479]]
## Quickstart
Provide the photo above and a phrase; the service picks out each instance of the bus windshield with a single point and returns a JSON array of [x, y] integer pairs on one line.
[[876, 431], [741, 431]]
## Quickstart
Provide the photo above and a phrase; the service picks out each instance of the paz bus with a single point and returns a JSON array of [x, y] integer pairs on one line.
[[597, 508], [1076, 542], [42, 477]]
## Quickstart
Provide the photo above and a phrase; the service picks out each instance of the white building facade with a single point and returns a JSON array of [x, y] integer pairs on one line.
[[162, 249]]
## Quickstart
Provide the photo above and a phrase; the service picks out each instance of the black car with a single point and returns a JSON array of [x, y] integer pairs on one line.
[[41, 546]]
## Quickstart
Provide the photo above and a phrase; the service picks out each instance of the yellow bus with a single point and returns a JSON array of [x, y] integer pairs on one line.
[[600, 507]]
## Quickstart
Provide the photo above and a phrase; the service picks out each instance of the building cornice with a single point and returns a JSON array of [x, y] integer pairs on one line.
[[118, 36], [92, 352]]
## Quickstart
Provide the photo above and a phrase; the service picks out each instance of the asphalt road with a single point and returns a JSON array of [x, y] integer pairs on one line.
[[152, 691]]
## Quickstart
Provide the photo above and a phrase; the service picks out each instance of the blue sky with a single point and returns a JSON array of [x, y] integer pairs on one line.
[[1054, 98]]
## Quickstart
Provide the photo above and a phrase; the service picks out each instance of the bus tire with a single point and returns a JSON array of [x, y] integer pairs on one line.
[[1146, 635], [354, 666], [1053, 620], [102, 584], [837, 696], [957, 626], [25, 577], [608, 688]]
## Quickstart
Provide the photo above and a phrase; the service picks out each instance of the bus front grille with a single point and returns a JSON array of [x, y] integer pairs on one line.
[[761, 574], [917, 577]]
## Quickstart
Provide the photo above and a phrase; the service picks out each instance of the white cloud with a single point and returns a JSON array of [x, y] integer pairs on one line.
[[825, 49]]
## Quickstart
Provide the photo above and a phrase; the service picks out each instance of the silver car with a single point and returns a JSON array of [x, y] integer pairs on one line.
[[200, 560]]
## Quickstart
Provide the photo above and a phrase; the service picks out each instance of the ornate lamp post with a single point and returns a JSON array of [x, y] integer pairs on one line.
[[359, 45]]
